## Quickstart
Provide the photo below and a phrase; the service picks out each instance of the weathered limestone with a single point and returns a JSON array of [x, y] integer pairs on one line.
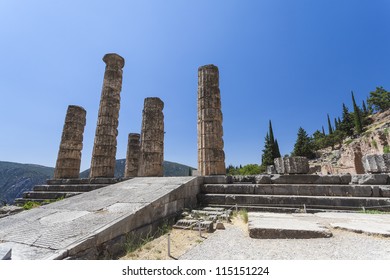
[[292, 165], [69, 154], [104, 150], [211, 157], [152, 139], [132, 157], [376, 163]]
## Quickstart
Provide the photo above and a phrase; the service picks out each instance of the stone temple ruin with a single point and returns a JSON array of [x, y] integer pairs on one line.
[[96, 222]]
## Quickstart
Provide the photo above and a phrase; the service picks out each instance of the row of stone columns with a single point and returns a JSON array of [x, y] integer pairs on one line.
[[145, 152]]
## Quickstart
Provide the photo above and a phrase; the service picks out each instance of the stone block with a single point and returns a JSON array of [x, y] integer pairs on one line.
[[5, 253], [370, 179], [376, 163], [263, 179], [217, 179], [271, 169], [292, 165]]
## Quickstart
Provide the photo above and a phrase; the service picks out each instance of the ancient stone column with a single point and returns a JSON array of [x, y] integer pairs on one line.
[[152, 139], [69, 154], [211, 157], [104, 149], [132, 156]]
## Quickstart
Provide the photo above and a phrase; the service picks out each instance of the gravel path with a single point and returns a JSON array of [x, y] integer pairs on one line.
[[234, 243]]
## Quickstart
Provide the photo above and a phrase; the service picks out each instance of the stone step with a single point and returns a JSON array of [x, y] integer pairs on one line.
[[299, 189], [69, 188], [194, 225], [49, 195], [343, 179], [87, 181], [319, 202]]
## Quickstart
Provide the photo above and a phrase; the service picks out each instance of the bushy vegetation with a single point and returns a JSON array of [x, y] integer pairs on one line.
[[249, 169]]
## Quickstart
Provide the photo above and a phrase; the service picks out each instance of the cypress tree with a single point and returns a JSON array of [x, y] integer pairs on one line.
[[271, 148], [346, 124], [277, 151], [364, 107], [330, 129], [303, 146], [357, 116], [267, 157], [336, 125], [323, 131]]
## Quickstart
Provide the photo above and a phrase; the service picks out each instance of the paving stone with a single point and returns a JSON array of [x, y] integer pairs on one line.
[[85, 222], [279, 226]]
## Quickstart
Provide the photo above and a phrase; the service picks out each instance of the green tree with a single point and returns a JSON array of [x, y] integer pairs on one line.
[[271, 148], [277, 151], [303, 146], [379, 99], [330, 129], [267, 157], [346, 124], [318, 140], [357, 116], [250, 169]]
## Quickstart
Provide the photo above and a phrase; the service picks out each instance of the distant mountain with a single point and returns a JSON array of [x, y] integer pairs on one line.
[[17, 178], [170, 169]]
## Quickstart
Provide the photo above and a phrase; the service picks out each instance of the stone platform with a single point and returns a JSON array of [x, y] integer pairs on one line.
[[304, 226], [95, 225]]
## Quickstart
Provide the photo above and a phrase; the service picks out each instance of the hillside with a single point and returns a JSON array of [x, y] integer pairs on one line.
[[16, 178], [347, 157]]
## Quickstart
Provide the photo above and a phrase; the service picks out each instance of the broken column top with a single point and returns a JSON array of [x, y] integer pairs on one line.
[[114, 59], [134, 135], [208, 66], [153, 103]]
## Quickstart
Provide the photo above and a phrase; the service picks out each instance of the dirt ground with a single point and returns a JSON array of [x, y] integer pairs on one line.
[[181, 242]]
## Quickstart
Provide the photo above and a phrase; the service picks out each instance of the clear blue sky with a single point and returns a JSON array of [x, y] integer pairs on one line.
[[289, 61]]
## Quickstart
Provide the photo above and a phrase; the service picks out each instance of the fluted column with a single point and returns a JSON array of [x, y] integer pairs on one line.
[[132, 156], [152, 139], [69, 153], [211, 157], [104, 149]]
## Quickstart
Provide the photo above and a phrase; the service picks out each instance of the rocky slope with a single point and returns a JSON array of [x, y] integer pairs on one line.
[[347, 158]]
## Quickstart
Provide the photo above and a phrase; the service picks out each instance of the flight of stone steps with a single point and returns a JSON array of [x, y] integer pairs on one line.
[[57, 189], [205, 218], [298, 193]]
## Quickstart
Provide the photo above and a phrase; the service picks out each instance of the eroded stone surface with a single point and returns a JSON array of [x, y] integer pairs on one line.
[[282, 226], [104, 149], [376, 163], [292, 165], [211, 157], [69, 154], [132, 157], [152, 139], [93, 224]]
